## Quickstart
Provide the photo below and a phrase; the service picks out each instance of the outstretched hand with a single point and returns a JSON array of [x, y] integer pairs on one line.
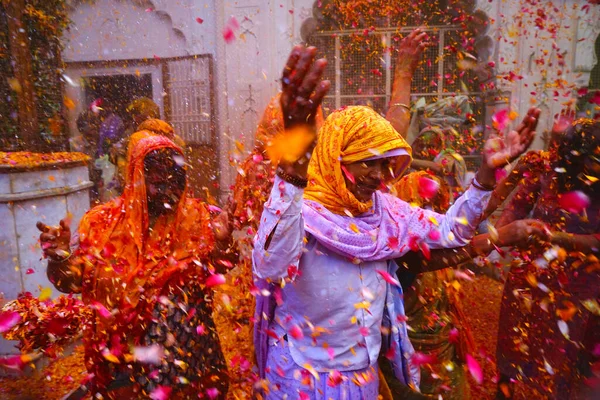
[[563, 121], [410, 51], [499, 151], [303, 90]]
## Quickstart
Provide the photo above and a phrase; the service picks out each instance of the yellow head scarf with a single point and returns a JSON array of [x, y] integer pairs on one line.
[[349, 135]]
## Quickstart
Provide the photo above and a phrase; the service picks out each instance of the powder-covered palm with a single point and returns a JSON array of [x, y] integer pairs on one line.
[[499, 151]]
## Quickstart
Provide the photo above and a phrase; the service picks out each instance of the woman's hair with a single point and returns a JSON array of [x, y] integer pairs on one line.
[[579, 144]]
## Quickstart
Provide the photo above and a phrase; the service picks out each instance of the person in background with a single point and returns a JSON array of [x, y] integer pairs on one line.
[[112, 132], [88, 125], [138, 111], [432, 149], [432, 300], [145, 263], [549, 305]]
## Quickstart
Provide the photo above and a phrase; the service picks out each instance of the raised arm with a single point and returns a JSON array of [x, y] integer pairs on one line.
[[458, 225], [407, 60], [280, 238]]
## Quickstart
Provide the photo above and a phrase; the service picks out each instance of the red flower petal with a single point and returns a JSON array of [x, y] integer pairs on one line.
[[428, 188], [388, 278], [199, 20], [475, 369], [574, 202], [161, 393], [296, 332], [215, 280], [8, 319]]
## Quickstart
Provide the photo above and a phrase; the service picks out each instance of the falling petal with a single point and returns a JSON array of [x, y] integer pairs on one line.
[[418, 359], [45, 294], [475, 369], [564, 328], [428, 188], [574, 202], [388, 278], [161, 393], [149, 355], [500, 119], [212, 393], [101, 309], [8, 319], [214, 280], [296, 332]]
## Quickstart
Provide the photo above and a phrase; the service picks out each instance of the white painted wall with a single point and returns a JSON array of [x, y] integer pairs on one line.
[[247, 70], [120, 30]]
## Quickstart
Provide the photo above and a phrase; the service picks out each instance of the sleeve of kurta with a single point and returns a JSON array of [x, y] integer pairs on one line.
[[453, 229], [280, 238]]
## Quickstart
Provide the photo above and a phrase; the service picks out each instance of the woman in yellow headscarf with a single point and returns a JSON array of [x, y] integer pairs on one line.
[[329, 230]]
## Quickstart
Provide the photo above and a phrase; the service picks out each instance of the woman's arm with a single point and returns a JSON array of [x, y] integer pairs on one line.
[[280, 238], [426, 164], [514, 234], [409, 56], [571, 242]]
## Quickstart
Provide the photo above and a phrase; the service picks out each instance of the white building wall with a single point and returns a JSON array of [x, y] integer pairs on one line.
[[247, 70]]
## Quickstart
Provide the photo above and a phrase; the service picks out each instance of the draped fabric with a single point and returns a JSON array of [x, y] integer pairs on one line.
[[126, 265]]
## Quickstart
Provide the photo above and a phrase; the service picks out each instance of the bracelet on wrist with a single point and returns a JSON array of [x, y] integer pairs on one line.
[[294, 180], [59, 259], [405, 106], [481, 186]]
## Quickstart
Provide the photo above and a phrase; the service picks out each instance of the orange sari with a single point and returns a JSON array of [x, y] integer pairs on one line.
[[128, 267]]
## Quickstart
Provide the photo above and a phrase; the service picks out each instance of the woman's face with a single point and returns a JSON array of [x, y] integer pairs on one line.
[[165, 181], [363, 178]]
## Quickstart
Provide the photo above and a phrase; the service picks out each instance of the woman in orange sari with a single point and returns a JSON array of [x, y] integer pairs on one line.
[[143, 265]]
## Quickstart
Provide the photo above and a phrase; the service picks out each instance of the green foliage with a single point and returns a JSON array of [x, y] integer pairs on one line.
[[44, 22]]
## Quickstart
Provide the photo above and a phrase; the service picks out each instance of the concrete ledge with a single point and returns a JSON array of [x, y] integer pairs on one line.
[[38, 194]]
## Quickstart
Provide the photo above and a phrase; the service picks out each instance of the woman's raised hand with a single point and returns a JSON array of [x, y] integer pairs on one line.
[[499, 151], [410, 52], [303, 89]]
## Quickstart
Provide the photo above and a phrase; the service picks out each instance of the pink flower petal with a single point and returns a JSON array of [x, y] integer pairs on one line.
[[574, 202], [212, 393], [335, 378], [161, 393], [228, 35], [419, 359], [200, 330], [13, 362], [30, 271], [149, 355], [388, 278], [101, 309], [428, 188], [500, 119], [296, 332], [8, 319], [199, 20], [453, 336], [215, 280], [475, 369]]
